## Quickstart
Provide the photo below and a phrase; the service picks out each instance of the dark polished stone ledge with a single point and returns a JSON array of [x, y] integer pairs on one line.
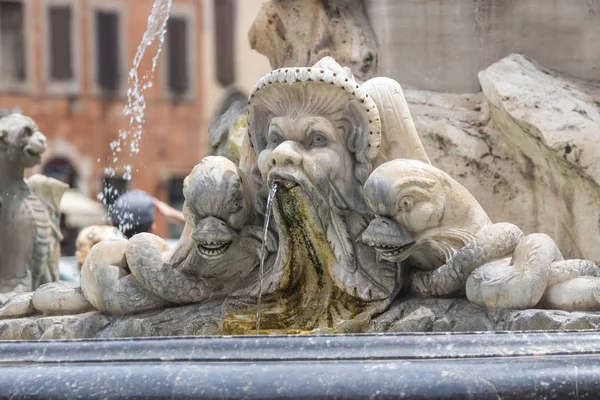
[[552, 365]]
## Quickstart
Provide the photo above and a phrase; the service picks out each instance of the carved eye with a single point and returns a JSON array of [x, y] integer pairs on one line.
[[318, 140], [27, 131], [274, 138], [406, 203], [236, 206]]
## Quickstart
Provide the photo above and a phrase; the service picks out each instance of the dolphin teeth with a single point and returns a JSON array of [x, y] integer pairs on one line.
[[213, 248]]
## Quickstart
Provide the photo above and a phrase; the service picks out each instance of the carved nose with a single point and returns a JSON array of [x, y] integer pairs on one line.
[[286, 154]]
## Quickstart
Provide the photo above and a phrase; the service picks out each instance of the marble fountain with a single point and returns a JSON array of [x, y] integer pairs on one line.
[[297, 269]]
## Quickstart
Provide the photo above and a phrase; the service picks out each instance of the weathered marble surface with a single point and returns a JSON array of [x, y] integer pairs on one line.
[[406, 314], [421, 314], [301, 32], [227, 131], [527, 148], [542, 365], [432, 226]]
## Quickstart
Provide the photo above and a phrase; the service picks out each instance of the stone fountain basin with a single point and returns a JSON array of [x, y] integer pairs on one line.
[[406, 314], [455, 365]]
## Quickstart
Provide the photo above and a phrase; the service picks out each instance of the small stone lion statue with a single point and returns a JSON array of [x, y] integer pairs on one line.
[[29, 210]]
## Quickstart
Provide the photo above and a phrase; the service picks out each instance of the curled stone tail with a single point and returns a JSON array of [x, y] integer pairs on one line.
[[150, 263], [565, 270], [491, 242]]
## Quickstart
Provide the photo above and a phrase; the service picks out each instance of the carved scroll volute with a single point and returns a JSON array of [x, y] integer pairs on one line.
[[399, 137]]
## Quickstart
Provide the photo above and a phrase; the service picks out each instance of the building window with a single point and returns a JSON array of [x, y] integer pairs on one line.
[[13, 69], [108, 52], [177, 56], [225, 40], [62, 170], [60, 57]]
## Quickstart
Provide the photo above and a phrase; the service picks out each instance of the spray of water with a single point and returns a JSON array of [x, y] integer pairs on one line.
[[263, 249], [136, 103]]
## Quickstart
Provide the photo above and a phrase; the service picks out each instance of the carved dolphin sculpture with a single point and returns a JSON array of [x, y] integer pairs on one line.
[[217, 251], [432, 223], [215, 256]]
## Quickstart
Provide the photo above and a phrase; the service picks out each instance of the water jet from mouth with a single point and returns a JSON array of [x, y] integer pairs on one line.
[[263, 248]]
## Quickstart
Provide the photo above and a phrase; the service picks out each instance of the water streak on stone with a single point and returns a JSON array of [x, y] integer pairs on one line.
[[263, 251]]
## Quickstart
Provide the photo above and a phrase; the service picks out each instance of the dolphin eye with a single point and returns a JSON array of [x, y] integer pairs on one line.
[[236, 206], [406, 203], [274, 137]]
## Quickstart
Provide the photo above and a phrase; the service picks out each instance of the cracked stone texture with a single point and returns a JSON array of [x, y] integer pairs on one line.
[[458, 315], [527, 147], [405, 315], [195, 319]]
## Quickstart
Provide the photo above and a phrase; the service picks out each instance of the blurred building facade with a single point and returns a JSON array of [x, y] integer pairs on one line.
[[231, 68], [65, 63]]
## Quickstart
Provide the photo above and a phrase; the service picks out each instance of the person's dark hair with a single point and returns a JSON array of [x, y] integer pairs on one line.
[[133, 213]]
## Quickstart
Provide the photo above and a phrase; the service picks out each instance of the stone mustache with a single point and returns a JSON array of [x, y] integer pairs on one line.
[[359, 215]]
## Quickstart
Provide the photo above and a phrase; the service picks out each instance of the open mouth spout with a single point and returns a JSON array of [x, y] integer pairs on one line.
[[284, 181]]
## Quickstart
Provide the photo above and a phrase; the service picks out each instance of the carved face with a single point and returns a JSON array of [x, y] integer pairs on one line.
[[422, 214], [408, 206], [308, 150], [21, 142], [417, 203], [217, 205]]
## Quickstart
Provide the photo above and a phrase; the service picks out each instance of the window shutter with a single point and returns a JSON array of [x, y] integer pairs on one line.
[[225, 43], [107, 45], [177, 48], [12, 42], [60, 43]]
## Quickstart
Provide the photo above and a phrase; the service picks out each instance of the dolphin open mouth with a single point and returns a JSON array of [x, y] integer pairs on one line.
[[392, 252], [213, 248]]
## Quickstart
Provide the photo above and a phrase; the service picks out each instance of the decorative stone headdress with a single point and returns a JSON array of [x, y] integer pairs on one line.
[[326, 73], [390, 133]]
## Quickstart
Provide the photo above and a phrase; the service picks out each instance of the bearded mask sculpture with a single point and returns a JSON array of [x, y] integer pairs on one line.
[[317, 133]]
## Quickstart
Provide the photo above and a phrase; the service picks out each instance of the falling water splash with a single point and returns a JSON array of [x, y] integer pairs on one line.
[[136, 103], [263, 250]]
